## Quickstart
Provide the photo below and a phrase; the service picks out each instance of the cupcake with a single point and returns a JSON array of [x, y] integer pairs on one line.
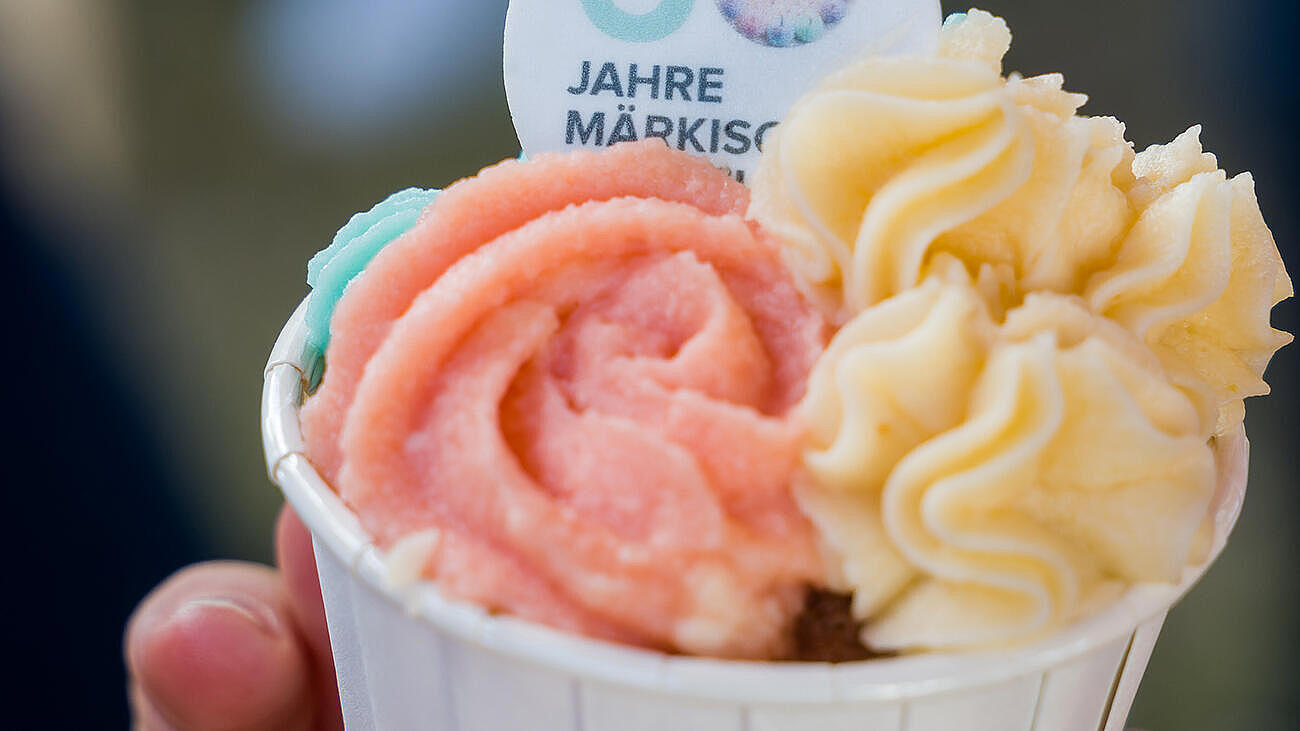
[[931, 426]]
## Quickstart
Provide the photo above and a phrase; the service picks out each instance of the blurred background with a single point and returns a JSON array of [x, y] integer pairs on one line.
[[168, 166]]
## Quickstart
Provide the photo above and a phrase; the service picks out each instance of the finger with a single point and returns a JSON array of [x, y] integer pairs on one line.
[[298, 567], [214, 647], [297, 562], [144, 716]]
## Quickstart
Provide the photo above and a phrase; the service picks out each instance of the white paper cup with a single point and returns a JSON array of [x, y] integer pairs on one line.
[[409, 658]]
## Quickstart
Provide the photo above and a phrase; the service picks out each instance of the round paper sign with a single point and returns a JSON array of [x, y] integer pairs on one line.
[[712, 77]]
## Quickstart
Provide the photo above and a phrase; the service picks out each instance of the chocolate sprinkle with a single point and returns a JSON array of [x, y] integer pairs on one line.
[[827, 632]]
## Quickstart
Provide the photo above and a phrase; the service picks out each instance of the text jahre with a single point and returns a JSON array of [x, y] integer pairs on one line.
[[669, 83]]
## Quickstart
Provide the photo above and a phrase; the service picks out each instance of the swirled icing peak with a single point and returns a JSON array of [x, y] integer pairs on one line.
[[894, 160], [567, 393], [1197, 275], [1019, 476], [892, 163]]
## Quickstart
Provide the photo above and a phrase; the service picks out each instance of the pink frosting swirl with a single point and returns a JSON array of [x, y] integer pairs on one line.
[[578, 373]]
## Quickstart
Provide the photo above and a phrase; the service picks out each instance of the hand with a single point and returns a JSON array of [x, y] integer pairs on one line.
[[226, 645]]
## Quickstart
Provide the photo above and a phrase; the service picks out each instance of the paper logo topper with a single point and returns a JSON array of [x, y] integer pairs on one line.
[[711, 77]]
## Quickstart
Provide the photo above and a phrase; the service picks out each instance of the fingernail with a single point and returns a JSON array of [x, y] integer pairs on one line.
[[253, 612]]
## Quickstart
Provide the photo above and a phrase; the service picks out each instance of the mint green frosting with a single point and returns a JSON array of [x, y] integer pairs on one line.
[[331, 270]]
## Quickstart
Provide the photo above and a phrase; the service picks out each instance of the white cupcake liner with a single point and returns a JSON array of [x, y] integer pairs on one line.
[[408, 658]]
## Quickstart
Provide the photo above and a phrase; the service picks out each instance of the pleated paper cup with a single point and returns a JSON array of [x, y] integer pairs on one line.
[[409, 658]]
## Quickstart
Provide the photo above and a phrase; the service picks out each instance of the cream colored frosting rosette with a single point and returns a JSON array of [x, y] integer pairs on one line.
[[983, 482], [1041, 335], [893, 160], [1197, 275]]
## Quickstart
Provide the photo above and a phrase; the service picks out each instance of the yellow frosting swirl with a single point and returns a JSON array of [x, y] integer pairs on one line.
[[1197, 275], [981, 483], [1041, 334], [891, 161]]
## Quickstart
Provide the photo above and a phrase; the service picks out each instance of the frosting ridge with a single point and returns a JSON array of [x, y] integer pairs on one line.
[[1197, 275], [890, 162], [332, 269], [1065, 465], [591, 410]]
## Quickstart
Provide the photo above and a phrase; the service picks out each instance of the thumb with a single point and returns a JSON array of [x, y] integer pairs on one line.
[[302, 584], [214, 647]]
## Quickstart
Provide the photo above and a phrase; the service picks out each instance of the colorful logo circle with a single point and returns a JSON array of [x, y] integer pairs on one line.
[[783, 23], [663, 21]]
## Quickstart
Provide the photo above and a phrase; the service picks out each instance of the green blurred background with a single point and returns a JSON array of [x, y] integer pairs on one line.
[[171, 165]]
